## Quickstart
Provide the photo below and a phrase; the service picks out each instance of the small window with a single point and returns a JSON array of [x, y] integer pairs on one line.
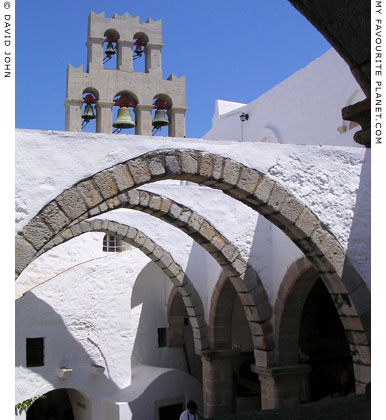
[[35, 351], [161, 337], [113, 244]]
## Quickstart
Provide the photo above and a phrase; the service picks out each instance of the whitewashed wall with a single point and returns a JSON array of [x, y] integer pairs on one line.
[[303, 109]]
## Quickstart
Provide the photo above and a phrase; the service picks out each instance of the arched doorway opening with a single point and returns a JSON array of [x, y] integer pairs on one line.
[[228, 366], [323, 345], [60, 404], [180, 333]]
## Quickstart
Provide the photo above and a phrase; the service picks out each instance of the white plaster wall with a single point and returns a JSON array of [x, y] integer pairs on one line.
[[85, 314], [176, 242], [303, 109], [306, 171], [149, 305], [328, 179]]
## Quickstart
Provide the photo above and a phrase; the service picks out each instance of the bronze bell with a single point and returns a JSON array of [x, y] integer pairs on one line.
[[88, 113], [109, 49], [138, 50], [124, 119], [160, 119]]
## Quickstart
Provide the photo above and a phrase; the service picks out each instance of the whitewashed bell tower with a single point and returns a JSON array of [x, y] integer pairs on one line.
[[124, 39]]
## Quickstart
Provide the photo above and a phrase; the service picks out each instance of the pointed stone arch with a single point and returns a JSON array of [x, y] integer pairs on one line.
[[295, 287], [163, 259], [246, 283], [247, 185]]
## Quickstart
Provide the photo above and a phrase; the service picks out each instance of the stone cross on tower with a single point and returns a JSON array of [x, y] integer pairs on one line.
[[142, 88]]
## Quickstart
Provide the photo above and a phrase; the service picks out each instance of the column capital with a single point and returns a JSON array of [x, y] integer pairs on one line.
[[281, 371], [125, 42], [153, 46], [105, 104], [143, 107], [94, 40], [177, 110], [68, 102]]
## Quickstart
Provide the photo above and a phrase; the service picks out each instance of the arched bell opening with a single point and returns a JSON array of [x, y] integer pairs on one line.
[[160, 115], [89, 113], [110, 49], [323, 346], [140, 51], [64, 403], [123, 112]]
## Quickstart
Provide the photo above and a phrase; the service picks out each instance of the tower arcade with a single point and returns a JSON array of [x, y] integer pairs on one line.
[[106, 84]]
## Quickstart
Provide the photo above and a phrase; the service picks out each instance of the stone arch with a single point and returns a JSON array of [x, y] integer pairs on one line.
[[164, 97], [91, 90], [159, 256], [247, 185], [220, 315], [295, 287], [128, 93], [142, 37], [62, 400], [176, 314], [113, 34], [247, 285]]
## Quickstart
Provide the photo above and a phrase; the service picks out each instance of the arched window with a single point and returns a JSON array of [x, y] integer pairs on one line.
[[112, 243], [110, 49]]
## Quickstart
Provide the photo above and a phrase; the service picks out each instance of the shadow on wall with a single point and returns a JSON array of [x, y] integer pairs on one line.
[[149, 305], [35, 318], [358, 244], [166, 388], [359, 255]]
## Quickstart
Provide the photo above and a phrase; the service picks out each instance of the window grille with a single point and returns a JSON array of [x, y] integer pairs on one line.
[[35, 351], [113, 244]]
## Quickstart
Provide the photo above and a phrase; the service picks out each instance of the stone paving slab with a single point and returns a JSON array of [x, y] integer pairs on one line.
[[353, 407]]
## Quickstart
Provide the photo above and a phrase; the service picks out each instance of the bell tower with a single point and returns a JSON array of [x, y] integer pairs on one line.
[[146, 101]]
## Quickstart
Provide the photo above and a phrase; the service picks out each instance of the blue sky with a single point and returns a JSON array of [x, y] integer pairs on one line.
[[226, 49]]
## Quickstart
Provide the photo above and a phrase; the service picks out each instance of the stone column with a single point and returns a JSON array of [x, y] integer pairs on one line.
[[94, 54], [104, 122], [280, 386], [217, 380], [73, 114], [125, 55], [176, 122], [153, 59], [143, 120]]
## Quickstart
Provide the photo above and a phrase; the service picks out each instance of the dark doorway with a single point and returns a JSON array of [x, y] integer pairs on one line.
[[324, 346], [171, 412], [55, 405]]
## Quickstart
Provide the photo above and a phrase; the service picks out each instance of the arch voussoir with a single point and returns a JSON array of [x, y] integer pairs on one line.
[[352, 302], [115, 187], [107, 189], [162, 258]]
